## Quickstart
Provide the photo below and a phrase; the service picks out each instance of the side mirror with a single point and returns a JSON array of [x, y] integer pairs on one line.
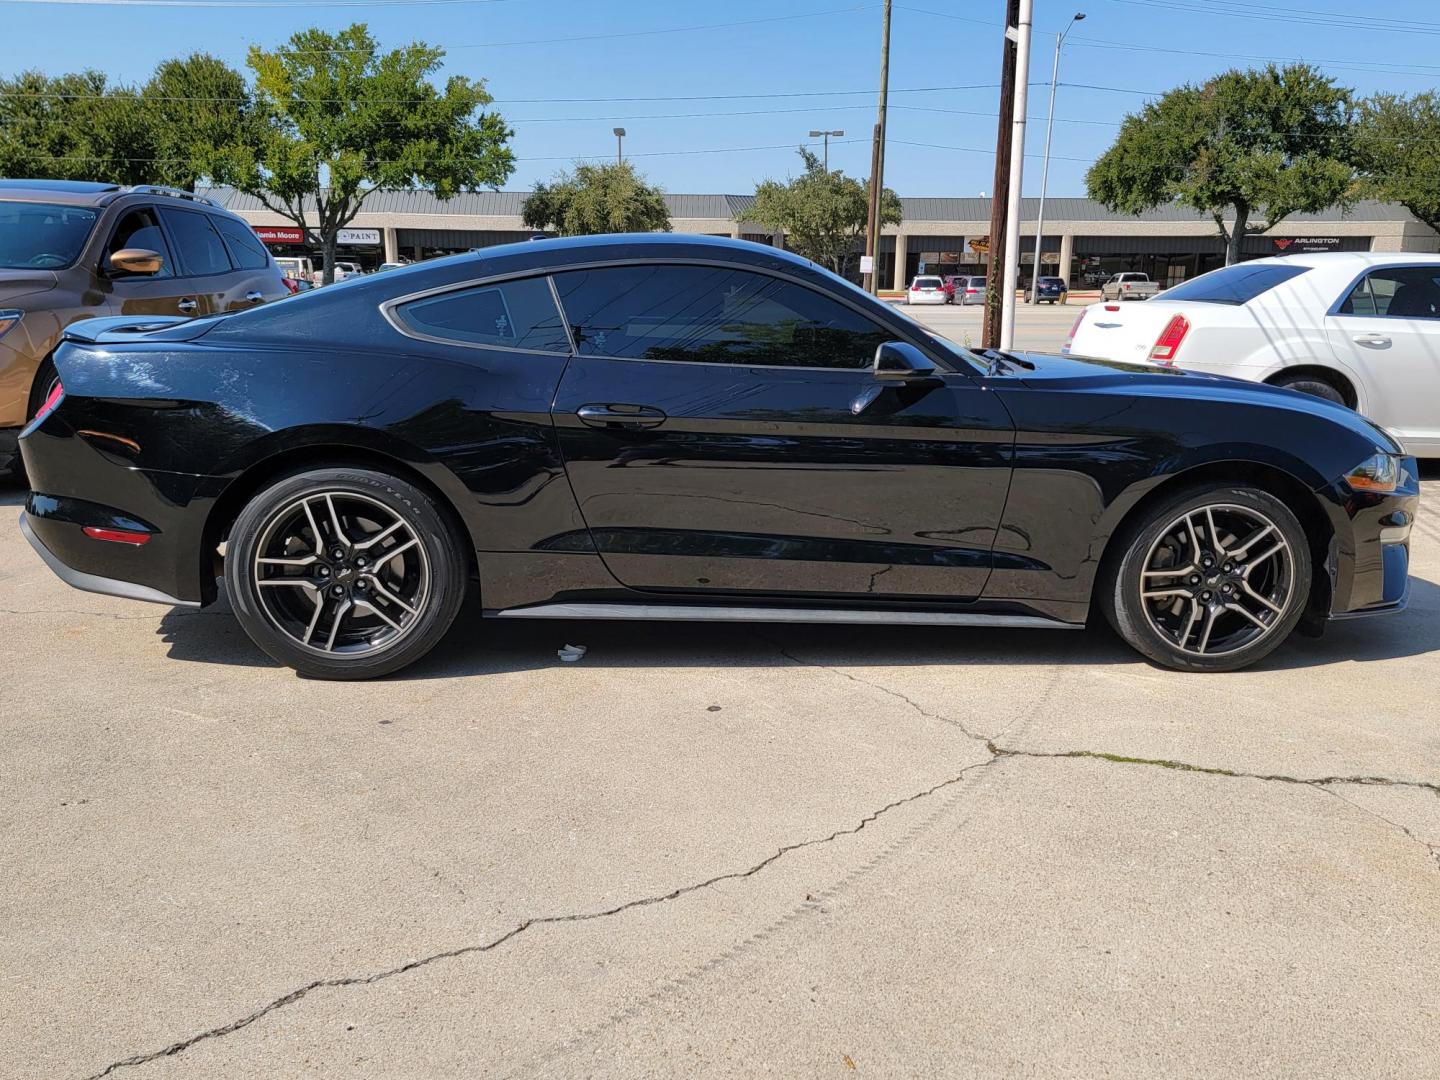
[[136, 261], [899, 361]]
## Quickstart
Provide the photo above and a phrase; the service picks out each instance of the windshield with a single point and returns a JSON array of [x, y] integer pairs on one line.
[[40, 236]]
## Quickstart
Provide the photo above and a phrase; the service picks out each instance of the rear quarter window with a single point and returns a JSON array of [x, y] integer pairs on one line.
[[1234, 285], [506, 315]]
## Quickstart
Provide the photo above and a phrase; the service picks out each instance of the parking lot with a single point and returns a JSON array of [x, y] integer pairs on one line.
[[715, 850]]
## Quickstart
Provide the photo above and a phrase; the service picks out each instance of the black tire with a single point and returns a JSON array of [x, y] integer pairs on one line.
[[1173, 633], [1314, 385], [45, 376], [421, 592]]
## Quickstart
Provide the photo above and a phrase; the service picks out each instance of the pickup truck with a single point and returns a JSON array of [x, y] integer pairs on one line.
[[1129, 286]]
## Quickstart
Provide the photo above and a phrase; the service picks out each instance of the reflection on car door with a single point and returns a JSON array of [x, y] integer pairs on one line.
[[202, 259], [713, 434], [1388, 331], [141, 294]]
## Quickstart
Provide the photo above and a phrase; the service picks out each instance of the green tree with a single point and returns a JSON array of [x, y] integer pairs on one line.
[[1397, 146], [339, 120], [1255, 145], [822, 213], [202, 115], [597, 199], [74, 127]]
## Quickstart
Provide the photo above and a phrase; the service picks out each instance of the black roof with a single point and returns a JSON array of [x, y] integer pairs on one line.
[[75, 187]]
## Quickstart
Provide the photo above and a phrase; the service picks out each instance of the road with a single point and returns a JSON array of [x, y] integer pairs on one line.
[[1042, 328], [713, 851]]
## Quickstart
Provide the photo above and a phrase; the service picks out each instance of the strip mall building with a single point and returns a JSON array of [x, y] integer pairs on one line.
[[1084, 242]]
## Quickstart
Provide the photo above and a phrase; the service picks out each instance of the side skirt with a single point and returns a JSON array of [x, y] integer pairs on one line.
[[708, 613]]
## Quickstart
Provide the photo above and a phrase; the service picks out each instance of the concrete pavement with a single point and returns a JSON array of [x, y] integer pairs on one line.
[[713, 851]]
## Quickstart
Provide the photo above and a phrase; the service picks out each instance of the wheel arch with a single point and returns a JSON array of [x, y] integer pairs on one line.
[[1333, 375], [1285, 486], [319, 454]]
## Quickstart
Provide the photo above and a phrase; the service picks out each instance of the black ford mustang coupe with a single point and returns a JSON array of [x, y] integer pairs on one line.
[[665, 427]]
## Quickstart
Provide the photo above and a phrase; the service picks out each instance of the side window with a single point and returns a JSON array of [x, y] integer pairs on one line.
[[198, 246], [509, 315], [713, 315], [1402, 292], [246, 250], [141, 229]]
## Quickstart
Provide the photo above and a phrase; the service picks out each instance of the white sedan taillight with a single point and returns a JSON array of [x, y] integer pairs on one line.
[[1168, 344]]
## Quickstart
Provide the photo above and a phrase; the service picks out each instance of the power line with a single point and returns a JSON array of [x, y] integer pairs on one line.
[[1293, 16], [1376, 66]]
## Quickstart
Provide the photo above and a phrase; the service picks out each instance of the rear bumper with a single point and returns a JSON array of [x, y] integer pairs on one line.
[[95, 583]]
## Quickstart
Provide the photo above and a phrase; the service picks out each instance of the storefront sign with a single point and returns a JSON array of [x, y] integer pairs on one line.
[[354, 237], [1295, 244], [280, 234]]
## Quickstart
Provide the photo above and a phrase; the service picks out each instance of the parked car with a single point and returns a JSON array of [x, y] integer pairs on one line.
[[296, 267], [689, 428], [1359, 329], [391, 266], [926, 290], [345, 270], [1128, 286], [962, 290], [71, 251], [1051, 290]]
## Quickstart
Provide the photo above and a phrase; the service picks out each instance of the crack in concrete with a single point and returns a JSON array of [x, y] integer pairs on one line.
[[543, 920]]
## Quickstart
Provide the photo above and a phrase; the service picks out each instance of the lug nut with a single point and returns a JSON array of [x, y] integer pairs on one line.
[[1194, 579], [362, 584], [324, 571], [360, 562], [337, 591], [1206, 596]]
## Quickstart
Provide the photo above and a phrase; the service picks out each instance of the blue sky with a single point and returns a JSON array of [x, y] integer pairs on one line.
[[822, 55]]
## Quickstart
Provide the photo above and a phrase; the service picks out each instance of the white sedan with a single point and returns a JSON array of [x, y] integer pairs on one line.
[[926, 290], [1362, 329]]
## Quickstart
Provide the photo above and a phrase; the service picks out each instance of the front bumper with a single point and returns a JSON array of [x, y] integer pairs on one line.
[[1369, 558]]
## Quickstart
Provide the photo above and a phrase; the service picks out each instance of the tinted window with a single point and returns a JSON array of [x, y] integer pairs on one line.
[[141, 229], [40, 236], [246, 250], [928, 282], [513, 315], [713, 315], [1234, 284], [1410, 292], [197, 245]]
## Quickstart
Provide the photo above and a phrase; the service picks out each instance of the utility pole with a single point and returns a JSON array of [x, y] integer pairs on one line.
[[827, 134], [877, 160], [995, 267], [1017, 174], [619, 146], [1045, 168]]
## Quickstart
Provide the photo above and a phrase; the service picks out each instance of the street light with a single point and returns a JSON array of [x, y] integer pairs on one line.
[[827, 134], [619, 146], [1079, 16]]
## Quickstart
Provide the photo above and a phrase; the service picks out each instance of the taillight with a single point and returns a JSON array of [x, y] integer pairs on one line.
[[914, 288], [1074, 328], [1168, 344], [52, 401]]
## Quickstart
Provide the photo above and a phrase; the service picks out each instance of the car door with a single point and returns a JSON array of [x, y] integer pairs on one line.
[[202, 258], [129, 293], [1387, 330], [256, 278], [723, 432]]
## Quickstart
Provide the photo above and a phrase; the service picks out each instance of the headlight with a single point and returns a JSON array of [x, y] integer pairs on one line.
[[1380, 474], [7, 320]]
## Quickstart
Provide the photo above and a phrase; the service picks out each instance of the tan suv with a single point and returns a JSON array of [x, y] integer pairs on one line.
[[72, 250]]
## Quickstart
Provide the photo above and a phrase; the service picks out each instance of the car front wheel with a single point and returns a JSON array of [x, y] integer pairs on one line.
[[1211, 580], [344, 573]]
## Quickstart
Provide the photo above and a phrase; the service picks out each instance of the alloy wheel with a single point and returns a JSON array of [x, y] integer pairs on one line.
[[340, 573], [1219, 579]]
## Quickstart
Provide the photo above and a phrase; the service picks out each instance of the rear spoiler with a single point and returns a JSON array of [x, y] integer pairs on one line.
[[113, 329]]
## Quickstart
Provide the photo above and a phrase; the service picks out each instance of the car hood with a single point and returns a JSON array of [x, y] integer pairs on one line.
[[17, 283], [1154, 380]]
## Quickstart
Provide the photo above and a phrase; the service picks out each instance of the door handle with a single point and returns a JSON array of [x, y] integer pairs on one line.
[[620, 417], [1375, 340], [255, 296], [187, 305]]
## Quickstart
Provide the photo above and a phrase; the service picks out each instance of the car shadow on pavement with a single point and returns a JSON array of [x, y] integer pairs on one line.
[[492, 646]]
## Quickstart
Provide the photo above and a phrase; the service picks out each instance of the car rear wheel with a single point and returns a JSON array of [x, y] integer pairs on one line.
[[1315, 385], [344, 573], [1213, 579]]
